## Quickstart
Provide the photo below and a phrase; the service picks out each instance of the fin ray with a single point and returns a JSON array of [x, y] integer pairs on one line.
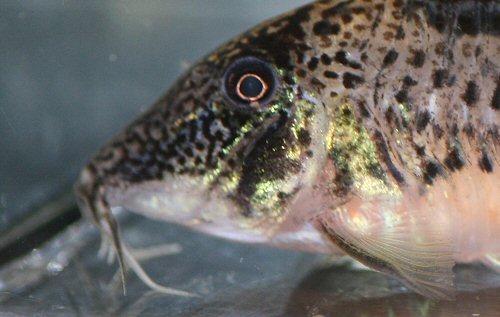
[[420, 256]]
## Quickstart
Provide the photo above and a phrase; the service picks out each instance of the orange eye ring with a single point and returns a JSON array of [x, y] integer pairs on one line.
[[242, 95], [249, 81]]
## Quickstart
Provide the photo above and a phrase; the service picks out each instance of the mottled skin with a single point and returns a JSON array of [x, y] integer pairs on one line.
[[383, 117]]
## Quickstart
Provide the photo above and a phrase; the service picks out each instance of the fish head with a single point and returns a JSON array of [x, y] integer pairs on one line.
[[227, 150]]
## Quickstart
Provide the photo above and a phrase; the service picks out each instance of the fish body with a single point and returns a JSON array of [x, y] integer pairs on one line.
[[365, 127]]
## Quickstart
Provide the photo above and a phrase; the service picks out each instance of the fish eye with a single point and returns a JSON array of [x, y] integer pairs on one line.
[[249, 81], [251, 87]]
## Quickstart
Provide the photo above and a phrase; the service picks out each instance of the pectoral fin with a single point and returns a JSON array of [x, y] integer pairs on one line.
[[423, 261]]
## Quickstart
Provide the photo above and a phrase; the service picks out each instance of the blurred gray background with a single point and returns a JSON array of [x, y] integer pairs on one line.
[[72, 73]]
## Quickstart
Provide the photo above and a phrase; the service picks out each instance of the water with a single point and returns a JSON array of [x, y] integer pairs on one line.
[[71, 74]]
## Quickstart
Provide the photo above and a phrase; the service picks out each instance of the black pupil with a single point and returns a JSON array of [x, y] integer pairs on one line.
[[251, 87]]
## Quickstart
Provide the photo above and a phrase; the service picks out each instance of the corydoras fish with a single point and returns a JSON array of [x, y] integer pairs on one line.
[[364, 126]]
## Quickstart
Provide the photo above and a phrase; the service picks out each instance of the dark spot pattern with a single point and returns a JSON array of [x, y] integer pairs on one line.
[[495, 100], [432, 169], [408, 81], [341, 57], [390, 58], [438, 131], [438, 20], [420, 150], [363, 109], [330, 74], [422, 121], [400, 33], [402, 96], [313, 63], [318, 83], [463, 17], [383, 151], [418, 60], [352, 81], [485, 162], [389, 115], [304, 137], [440, 77], [325, 59], [326, 28], [471, 95], [338, 8], [455, 160]]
